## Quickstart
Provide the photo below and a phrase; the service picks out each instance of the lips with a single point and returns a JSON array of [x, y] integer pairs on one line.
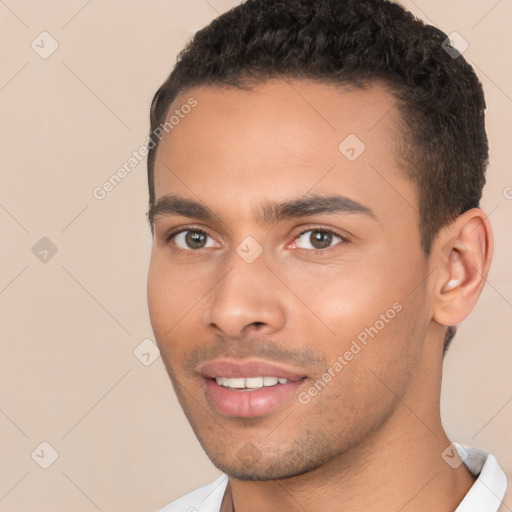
[[247, 389], [245, 369]]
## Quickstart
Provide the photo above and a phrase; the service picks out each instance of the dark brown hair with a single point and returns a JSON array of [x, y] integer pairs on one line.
[[356, 42]]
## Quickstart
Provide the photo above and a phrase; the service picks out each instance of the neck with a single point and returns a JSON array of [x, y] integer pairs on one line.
[[399, 467]]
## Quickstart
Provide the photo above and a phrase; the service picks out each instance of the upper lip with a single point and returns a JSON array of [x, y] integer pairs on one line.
[[246, 368]]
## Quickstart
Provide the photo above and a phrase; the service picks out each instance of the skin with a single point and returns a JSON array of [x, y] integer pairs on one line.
[[372, 438]]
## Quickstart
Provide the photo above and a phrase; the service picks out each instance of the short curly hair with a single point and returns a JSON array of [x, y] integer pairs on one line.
[[356, 42]]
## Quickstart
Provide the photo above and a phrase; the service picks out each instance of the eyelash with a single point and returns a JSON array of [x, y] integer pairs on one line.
[[193, 252]]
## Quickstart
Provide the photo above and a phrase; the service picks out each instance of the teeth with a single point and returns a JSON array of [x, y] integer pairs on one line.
[[234, 383], [249, 382], [254, 382]]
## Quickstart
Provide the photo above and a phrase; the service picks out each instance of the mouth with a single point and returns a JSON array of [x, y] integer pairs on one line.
[[248, 389]]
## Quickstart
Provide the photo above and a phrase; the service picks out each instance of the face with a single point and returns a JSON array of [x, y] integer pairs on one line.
[[287, 282]]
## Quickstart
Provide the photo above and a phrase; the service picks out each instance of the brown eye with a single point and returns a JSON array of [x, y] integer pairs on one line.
[[317, 239], [320, 239], [191, 239], [195, 239]]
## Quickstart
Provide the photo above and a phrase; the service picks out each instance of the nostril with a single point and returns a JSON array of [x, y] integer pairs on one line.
[[254, 327]]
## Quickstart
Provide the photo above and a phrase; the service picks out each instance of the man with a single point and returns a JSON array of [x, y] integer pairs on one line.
[[315, 172]]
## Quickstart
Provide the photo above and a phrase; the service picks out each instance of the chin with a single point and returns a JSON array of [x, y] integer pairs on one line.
[[267, 468]]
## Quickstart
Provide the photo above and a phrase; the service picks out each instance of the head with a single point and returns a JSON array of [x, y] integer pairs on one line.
[[348, 120]]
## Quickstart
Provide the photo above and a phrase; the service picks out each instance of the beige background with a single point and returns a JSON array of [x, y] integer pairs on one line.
[[69, 326]]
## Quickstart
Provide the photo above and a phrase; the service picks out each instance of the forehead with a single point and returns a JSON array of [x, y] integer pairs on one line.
[[281, 139]]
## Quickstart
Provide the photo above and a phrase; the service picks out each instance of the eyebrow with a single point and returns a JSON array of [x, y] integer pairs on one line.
[[269, 213]]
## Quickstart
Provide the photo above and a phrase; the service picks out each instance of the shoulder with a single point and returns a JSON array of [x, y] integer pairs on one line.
[[204, 499]]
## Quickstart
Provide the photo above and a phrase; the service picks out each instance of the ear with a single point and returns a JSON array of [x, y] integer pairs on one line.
[[463, 254]]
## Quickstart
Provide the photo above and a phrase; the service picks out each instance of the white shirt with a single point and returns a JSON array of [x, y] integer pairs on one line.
[[485, 495]]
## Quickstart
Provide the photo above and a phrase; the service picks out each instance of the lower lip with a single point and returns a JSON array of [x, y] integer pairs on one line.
[[251, 403]]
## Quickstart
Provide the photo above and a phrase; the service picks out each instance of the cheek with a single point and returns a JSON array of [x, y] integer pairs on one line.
[[381, 309], [174, 296], [167, 300], [171, 291], [158, 300]]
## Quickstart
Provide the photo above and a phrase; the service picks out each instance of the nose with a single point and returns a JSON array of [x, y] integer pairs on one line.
[[246, 299]]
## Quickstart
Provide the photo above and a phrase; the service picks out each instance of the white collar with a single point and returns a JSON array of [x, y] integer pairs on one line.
[[486, 494]]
